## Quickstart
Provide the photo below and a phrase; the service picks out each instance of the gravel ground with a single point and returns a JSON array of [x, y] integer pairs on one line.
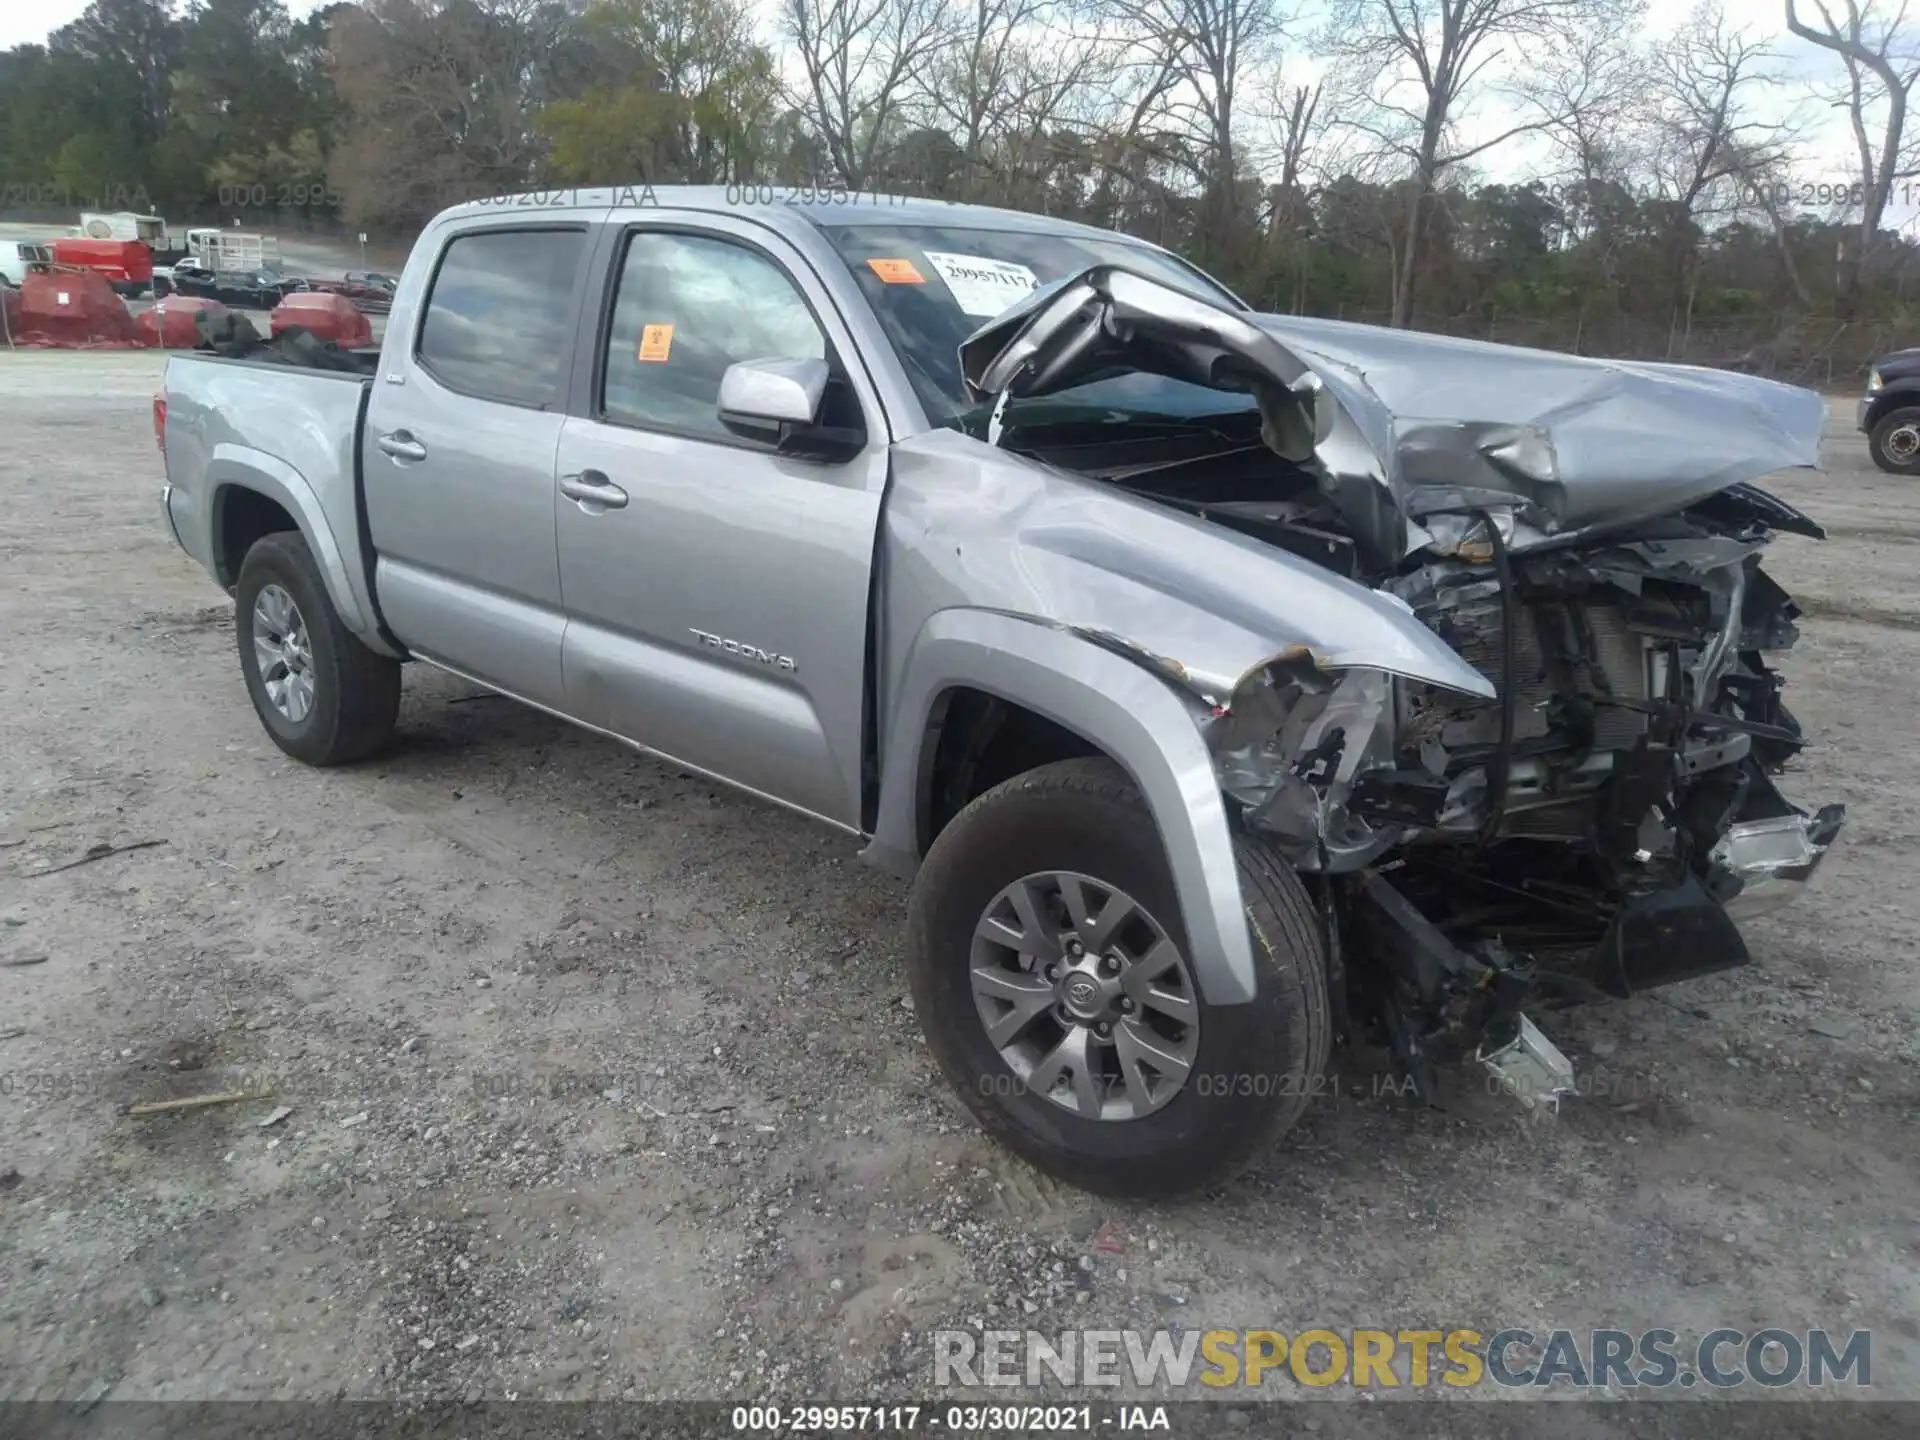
[[600, 1082]]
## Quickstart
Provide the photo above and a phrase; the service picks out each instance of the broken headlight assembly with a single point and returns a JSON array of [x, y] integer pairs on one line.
[[1308, 752]]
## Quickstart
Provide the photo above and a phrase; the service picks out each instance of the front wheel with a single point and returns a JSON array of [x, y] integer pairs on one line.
[[1053, 979], [323, 696], [1895, 441]]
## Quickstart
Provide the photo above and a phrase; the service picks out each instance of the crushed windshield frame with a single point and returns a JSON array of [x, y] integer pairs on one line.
[[932, 368]]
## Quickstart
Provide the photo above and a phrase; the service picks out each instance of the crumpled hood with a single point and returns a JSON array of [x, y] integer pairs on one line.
[[1403, 429], [1581, 444]]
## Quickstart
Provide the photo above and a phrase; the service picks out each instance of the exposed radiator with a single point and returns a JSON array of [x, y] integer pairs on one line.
[[1619, 656]]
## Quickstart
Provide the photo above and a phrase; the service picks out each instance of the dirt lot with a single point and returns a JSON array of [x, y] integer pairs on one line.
[[603, 1083]]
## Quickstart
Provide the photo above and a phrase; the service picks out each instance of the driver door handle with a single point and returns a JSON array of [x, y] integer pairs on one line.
[[591, 488], [401, 445]]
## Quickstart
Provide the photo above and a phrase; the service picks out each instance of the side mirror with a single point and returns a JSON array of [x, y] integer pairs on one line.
[[778, 402], [767, 394]]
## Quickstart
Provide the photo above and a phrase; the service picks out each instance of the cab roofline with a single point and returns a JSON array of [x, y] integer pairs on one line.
[[864, 208]]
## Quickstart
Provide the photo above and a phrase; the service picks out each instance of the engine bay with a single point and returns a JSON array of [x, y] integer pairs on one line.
[[1596, 829]]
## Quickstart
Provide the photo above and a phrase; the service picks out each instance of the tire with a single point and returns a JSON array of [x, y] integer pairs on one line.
[[1255, 1066], [1895, 441], [353, 694]]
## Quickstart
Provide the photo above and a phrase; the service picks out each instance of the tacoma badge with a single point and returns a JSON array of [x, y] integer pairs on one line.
[[745, 652]]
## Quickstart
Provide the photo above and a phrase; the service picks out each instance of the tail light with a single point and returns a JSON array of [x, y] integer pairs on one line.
[[160, 421]]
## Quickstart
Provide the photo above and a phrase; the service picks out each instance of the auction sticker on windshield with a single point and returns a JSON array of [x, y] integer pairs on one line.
[[897, 272], [982, 286]]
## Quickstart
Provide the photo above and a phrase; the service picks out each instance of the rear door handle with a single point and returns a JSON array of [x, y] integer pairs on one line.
[[592, 489], [401, 446]]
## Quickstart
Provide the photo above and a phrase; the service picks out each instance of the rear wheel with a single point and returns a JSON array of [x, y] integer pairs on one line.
[[1895, 441], [1053, 979], [323, 696]]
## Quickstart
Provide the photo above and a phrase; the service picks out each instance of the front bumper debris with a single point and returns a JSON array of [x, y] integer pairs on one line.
[[1775, 858], [1529, 1067], [1447, 996]]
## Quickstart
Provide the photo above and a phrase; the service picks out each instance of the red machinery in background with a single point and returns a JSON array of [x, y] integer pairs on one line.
[[127, 265]]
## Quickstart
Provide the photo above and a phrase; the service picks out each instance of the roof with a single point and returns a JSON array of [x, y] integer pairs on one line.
[[780, 205]]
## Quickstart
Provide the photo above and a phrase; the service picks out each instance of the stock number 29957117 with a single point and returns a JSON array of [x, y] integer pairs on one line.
[[905, 1419], [825, 1419], [756, 192]]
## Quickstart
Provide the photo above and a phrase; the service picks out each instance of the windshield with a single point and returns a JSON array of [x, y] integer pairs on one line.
[[931, 286]]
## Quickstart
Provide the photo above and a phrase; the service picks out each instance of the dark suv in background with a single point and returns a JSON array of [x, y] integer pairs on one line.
[[1889, 413]]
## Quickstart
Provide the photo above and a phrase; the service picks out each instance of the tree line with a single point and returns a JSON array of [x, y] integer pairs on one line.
[[1533, 170]]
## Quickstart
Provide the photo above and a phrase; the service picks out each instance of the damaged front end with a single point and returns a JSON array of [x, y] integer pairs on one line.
[[1573, 531], [1598, 828]]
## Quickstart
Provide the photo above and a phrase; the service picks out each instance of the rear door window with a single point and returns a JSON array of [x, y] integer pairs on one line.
[[499, 320]]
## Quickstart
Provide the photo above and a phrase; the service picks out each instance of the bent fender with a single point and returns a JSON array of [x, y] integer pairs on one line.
[[1138, 719]]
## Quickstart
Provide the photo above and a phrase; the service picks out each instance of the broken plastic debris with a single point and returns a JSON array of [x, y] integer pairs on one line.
[[1531, 1069]]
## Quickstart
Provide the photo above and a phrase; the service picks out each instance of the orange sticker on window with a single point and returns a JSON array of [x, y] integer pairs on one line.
[[897, 272], [656, 343]]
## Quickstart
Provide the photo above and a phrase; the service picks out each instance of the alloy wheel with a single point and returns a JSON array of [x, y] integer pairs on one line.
[[1087, 998], [281, 653]]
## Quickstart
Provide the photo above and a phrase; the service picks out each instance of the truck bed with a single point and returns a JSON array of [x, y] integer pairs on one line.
[[287, 431]]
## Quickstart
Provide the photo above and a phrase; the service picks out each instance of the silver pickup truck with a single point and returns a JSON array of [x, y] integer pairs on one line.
[[1230, 685]]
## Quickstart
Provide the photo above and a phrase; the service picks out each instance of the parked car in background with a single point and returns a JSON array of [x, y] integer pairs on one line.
[[242, 290], [1228, 683], [21, 258], [371, 293], [1889, 413]]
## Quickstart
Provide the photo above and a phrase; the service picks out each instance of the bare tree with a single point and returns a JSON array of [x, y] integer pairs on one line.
[[1707, 145], [1009, 73], [443, 100], [859, 60], [1115, 122], [1411, 69], [1591, 88], [1876, 45], [1769, 187], [1293, 152], [1298, 124], [1207, 48]]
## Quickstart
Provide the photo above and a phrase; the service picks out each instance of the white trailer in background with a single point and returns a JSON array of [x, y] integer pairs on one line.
[[150, 230], [227, 251]]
